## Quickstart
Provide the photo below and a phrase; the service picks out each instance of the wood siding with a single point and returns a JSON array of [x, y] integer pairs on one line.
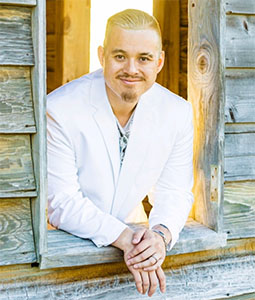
[[240, 119]]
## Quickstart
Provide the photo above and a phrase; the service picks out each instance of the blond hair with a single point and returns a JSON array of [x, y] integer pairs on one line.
[[132, 19]]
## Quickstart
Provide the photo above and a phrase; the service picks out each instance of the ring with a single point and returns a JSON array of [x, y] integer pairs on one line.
[[155, 258]]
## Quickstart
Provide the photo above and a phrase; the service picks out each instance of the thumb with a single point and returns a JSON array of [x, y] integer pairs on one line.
[[138, 235]]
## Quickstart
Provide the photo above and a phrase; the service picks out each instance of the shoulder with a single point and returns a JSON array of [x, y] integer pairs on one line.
[[72, 95], [168, 103]]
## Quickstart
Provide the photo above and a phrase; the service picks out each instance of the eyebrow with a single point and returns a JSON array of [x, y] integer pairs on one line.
[[115, 51]]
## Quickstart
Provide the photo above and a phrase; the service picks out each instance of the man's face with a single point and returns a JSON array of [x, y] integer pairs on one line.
[[131, 61]]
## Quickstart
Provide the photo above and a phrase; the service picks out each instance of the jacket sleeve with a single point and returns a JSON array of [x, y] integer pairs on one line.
[[68, 209], [172, 197]]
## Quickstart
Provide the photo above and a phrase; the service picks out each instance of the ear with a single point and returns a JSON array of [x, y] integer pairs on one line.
[[161, 61], [100, 53]]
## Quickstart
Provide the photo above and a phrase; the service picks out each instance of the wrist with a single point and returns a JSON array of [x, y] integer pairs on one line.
[[124, 241]]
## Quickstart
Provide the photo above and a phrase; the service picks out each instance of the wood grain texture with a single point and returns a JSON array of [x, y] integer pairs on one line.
[[240, 128], [168, 15], [15, 36], [240, 96], [38, 140], [16, 171], [239, 209], [19, 2], [219, 278], [184, 13], [240, 7], [240, 41], [239, 156], [16, 237], [67, 250], [206, 93], [16, 105]]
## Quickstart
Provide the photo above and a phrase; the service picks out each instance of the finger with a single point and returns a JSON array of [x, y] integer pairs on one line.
[[138, 280], [138, 235], [139, 249], [145, 281], [153, 283], [153, 267], [142, 257], [162, 279]]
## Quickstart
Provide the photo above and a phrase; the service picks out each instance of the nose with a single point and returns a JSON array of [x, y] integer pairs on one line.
[[131, 67]]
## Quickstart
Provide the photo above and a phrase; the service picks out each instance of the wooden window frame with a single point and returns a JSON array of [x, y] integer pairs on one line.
[[56, 248]]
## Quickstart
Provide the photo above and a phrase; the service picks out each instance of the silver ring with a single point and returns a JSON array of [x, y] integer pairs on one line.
[[155, 258]]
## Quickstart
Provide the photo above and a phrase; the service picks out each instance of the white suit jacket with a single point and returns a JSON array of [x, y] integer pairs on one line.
[[88, 194]]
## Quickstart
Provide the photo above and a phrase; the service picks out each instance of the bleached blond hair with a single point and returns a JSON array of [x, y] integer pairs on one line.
[[132, 19]]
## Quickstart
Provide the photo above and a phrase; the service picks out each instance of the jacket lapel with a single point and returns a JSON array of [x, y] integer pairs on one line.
[[106, 122], [141, 137]]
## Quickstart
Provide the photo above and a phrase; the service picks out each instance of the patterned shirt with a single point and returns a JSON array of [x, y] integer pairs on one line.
[[124, 133]]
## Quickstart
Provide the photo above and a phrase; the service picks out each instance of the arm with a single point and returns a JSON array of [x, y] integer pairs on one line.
[[172, 199], [68, 209]]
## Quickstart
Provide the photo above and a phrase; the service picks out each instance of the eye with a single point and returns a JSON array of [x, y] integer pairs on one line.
[[144, 58], [119, 57]]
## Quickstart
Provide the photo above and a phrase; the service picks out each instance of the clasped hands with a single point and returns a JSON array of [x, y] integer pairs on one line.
[[144, 256]]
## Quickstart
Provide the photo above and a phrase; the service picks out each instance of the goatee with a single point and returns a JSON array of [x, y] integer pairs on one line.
[[129, 97]]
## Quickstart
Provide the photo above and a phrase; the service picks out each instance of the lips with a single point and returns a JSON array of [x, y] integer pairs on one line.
[[130, 80]]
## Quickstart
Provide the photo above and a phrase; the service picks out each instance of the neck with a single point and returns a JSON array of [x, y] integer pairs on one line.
[[121, 109]]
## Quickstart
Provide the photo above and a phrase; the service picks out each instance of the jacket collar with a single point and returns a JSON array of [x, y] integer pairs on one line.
[[141, 137]]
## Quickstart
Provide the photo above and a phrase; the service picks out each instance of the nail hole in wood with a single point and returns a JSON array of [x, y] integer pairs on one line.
[[245, 25], [193, 5]]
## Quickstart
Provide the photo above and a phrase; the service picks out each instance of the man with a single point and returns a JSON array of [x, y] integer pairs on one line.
[[115, 136]]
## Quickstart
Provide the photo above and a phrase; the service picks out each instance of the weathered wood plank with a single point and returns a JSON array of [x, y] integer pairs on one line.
[[19, 2], [15, 36], [168, 15], [219, 278], [239, 156], [184, 13], [240, 96], [16, 171], [67, 250], [16, 238], [240, 41], [206, 93], [16, 106], [240, 7], [39, 149], [239, 209], [240, 128]]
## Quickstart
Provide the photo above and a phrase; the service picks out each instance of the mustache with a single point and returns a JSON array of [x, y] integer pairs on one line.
[[127, 76]]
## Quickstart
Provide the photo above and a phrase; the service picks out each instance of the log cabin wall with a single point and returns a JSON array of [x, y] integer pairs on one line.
[[18, 126], [239, 194]]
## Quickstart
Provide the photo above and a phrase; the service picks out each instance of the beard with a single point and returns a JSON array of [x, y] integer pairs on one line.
[[129, 97]]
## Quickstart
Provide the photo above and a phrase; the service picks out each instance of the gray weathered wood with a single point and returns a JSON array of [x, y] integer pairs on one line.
[[39, 150], [239, 156], [16, 106], [206, 92], [240, 41], [220, 278], [16, 238], [16, 171], [240, 128], [19, 2], [240, 96], [239, 209], [67, 250], [15, 36], [240, 6]]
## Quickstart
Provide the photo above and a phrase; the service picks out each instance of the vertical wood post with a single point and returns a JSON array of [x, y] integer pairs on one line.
[[168, 15], [206, 62]]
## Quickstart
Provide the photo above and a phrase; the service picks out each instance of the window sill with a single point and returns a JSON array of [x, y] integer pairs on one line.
[[66, 250]]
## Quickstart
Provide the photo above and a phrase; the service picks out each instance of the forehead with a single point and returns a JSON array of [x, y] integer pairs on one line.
[[141, 40]]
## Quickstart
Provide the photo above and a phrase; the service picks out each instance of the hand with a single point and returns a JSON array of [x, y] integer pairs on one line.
[[148, 280], [149, 251], [143, 280]]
